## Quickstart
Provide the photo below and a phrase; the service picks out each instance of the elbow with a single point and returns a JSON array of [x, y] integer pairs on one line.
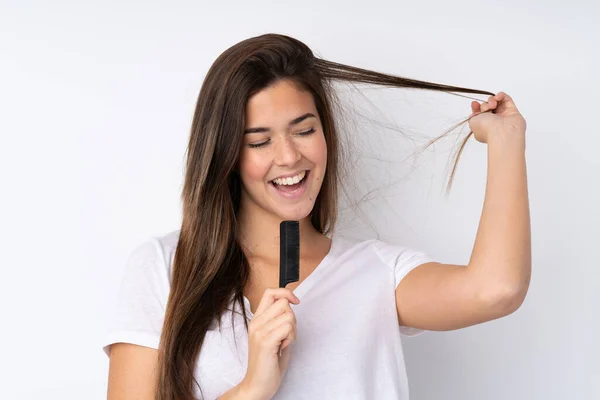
[[505, 299]]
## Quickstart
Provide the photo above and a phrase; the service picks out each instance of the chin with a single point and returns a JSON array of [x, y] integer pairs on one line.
[[293, 215]]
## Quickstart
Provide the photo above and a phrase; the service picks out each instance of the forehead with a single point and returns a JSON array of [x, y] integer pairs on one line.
[[278, 104]]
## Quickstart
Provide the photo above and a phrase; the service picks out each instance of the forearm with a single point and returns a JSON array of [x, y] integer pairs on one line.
[[239, 392], [234, 393], [501, 257]]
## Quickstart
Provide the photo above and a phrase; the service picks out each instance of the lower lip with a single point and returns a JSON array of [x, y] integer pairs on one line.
[[296, 193]]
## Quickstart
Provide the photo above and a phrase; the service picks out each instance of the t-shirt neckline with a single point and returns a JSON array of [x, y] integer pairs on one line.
[[310, 280]]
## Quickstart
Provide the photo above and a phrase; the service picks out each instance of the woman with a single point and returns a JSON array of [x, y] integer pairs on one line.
[[200, 312]]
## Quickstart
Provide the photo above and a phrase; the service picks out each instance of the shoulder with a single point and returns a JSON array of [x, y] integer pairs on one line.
[[154, 256], [167, 246], [386, 251], [394, 253], [399, 257]]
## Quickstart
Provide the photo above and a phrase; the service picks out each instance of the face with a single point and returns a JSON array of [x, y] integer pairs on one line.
[[283, 138]]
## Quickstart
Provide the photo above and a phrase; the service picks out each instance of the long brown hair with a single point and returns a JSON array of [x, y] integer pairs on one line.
[[210, 268]]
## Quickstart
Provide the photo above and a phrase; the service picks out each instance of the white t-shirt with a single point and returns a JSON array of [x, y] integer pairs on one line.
[[348, 343]]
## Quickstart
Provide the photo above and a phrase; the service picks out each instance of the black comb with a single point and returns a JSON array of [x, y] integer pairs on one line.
[[289, 252]]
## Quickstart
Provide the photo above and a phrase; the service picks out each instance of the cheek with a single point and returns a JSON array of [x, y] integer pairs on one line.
[[253, 168], [320, 151]]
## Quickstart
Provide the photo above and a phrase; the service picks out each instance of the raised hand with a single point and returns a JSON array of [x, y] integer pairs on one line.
[[498, 114]]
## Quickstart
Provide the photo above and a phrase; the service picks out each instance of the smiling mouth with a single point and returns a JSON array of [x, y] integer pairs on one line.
[[291, 188]]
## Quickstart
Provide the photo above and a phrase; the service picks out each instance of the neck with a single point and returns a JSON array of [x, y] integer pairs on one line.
[[259, 233]]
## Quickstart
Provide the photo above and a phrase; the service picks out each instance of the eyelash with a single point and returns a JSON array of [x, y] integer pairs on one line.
[[308, 132]]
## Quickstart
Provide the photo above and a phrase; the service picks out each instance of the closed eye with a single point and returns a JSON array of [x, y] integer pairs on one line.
[[253, 145], [261, 144], [308, 132]]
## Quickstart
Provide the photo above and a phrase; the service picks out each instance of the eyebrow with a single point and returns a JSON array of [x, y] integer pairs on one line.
[[293, 122]]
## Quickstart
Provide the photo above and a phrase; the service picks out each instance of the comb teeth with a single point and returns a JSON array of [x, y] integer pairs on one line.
[[289, 252]]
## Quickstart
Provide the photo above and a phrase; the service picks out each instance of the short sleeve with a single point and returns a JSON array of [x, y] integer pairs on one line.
[[142, 299], [403, 260]]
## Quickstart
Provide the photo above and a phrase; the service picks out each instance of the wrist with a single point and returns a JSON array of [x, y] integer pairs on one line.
[[507, 138]]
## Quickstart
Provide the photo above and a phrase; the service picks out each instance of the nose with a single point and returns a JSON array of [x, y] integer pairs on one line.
[[286, 152]]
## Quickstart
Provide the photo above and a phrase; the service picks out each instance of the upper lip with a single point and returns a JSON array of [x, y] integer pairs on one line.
[[290, 175]]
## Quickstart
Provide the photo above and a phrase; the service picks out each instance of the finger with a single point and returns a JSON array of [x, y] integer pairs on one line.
[[280, 307], [280, 320], [291, 337], [501, 96], [280, 334], [505, 102], [286, 342], [273, 294]]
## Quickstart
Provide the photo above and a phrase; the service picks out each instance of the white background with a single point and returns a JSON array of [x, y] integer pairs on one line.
[[96, 101]]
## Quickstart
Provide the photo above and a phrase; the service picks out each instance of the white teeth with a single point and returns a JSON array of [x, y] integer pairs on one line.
[[290, 181]]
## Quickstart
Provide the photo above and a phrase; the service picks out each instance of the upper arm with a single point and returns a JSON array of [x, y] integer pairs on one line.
[[135, 327], [438, 297], [132, 372]]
